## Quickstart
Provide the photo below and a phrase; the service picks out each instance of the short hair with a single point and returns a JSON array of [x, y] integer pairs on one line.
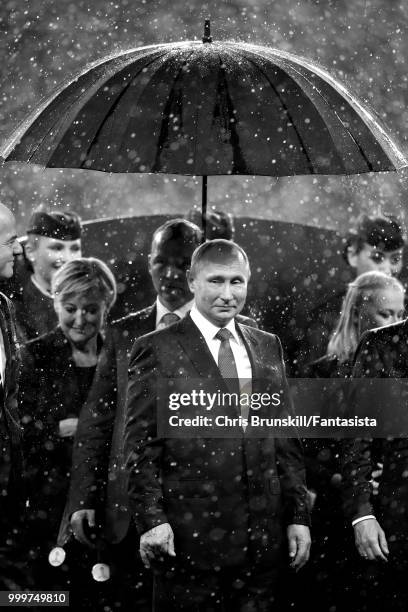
[[345, 338], [214, 250], [382, 231], [81, 276], [180, 230]]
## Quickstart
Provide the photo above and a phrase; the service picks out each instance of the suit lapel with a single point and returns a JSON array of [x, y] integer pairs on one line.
[[5, 330], [196, 348], [148, 323], [252, 347]]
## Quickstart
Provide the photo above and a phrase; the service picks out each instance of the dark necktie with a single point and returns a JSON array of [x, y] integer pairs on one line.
[[226, 361], [168, 319]]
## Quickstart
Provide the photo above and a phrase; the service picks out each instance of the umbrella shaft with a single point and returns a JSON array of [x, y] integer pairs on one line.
[[204, 208]]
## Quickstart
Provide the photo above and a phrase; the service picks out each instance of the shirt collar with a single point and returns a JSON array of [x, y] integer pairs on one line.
[[208, 329], [180, 312]]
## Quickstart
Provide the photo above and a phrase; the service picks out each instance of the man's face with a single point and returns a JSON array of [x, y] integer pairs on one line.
[[9, 245], [372, 258], [50, 254], [168, 264], [220, 289]]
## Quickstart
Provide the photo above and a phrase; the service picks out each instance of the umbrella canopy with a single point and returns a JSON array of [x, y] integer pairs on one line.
[[205, 108]]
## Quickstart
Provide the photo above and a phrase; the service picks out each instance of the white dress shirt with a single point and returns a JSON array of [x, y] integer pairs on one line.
[[209, 330], [162, 310]]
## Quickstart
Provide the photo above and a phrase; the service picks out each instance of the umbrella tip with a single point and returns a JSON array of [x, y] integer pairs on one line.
[[207, 33]]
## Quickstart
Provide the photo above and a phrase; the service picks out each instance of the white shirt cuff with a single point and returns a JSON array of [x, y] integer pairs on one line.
[[362, 518]]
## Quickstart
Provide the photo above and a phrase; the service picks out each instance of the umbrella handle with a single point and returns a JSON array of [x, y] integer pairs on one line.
[[204, 208]]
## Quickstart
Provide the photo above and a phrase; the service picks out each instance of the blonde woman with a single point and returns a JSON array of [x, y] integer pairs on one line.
[[373, 299], [57, 373]]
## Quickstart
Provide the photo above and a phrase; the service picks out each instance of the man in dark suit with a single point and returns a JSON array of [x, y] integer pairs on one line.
[[98, 454], [216, 515], [11, 464], [99, 483], [380, 521], [99, 441]]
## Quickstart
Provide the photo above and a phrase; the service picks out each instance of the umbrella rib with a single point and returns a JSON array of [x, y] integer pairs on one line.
[[46, 134], [363, 155], [288, 114], [164, 129], [304, 76], [238, 158], [114, 106]]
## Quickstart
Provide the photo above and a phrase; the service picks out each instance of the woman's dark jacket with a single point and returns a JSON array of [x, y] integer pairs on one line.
[[52, 388]]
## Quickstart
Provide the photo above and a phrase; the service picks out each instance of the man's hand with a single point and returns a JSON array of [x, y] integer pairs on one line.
[[67, 427], [299, 545], [370, 540], [78, 520], [156, 543]]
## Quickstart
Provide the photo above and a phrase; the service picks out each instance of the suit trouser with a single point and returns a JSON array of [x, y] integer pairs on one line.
[[380, 586], [13, 558], [241, 589]]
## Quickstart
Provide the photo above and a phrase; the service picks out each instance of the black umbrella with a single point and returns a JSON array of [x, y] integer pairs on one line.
[[205, 108]]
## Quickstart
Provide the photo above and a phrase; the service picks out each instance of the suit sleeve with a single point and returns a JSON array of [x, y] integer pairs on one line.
[[13, 380], [359, 454], [143, 447], [91, 453], [291, 463]]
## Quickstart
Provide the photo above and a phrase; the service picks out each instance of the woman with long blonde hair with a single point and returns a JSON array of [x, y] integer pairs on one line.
[[373, 299]]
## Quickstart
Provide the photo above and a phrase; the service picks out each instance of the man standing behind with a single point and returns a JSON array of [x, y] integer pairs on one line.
[[99, 440], [52, 239], [98, 482], [11, 465], [219, 506]]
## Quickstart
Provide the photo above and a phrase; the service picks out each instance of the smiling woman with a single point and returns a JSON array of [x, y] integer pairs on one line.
[[57, 373], [84, 290]]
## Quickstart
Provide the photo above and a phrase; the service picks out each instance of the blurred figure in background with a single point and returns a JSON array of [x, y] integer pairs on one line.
[[376, 243], [53, 238], [11, 461], [219, 224], [57, 372], [372, 300]]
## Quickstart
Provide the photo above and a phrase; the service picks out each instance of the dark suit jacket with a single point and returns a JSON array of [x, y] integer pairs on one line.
[[11, 461], [228, 500], [52, 388], [382, 353], [35, 313], [99, 478], [98, 450]]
